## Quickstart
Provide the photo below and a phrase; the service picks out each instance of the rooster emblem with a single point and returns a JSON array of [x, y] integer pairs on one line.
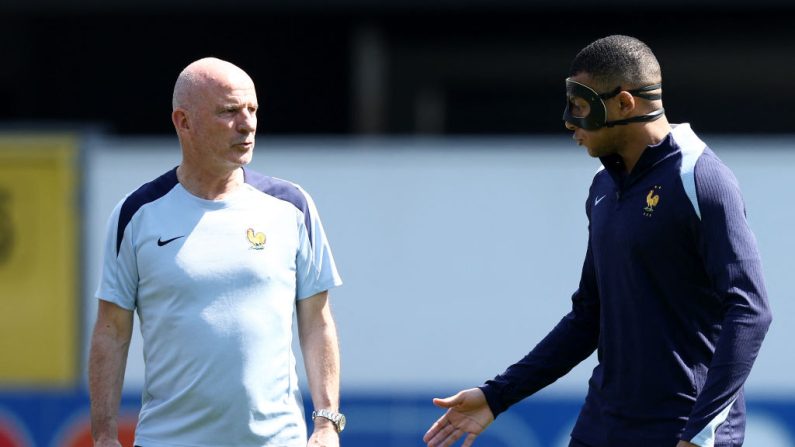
[[652, 200], [257, 239]]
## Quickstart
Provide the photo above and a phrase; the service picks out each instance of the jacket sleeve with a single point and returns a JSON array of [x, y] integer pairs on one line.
[[732, 261], [573, 339]]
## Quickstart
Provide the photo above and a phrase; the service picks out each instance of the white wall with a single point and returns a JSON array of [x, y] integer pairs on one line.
[[458, 255]]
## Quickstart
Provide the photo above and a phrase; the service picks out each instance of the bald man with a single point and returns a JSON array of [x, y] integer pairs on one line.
[[216, 259]]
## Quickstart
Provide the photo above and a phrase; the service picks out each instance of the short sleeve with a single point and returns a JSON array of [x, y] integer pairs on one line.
[[118, 282], [315, 268]]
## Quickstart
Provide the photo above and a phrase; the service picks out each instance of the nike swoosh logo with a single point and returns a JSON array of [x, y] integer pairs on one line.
[[161, 243], [597, 200]]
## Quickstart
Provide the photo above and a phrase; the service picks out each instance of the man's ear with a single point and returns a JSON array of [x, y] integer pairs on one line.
[[180, 120], [626, 103]]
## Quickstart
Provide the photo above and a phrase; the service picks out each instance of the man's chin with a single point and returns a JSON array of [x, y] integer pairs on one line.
[[244, 157], [238, 162]]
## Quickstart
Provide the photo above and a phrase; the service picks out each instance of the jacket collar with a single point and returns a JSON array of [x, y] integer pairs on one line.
[[652, 155]]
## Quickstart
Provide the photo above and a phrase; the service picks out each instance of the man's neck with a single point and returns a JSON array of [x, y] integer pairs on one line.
[[207, 184], [635, 142]]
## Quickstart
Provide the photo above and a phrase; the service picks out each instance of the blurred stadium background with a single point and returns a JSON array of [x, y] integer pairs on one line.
[[429, 134]]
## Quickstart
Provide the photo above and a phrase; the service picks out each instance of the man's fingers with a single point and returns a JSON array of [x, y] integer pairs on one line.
[[447, 437], [452, 438], [470, 439], [434, 429], [445, 434], [448, 402]]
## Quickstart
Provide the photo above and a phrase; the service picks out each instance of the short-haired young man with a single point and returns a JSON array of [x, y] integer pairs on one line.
[[671, 293]]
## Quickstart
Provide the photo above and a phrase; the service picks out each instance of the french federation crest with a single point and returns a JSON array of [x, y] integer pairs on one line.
[[257, 239], [652, 199]]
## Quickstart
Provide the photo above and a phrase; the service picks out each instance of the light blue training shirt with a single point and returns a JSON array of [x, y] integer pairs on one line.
[[215, 285]]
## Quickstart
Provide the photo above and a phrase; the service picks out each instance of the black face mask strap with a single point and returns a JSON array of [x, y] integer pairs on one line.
[[608, 95], [641, 92], [655, 115], [597, 118]]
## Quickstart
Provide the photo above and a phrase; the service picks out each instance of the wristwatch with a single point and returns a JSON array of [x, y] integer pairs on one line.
[[338, 419]]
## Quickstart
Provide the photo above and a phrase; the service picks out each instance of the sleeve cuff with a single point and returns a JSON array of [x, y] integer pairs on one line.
[[493, 399]]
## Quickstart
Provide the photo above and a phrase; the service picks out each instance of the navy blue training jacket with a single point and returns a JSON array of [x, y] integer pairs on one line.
[[672, 297]]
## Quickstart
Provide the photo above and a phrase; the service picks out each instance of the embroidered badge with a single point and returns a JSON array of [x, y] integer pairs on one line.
[[257, 239], [652, 199]]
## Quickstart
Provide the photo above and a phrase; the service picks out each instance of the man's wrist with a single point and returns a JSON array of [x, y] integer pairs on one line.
[[322, 424], [328, 418]]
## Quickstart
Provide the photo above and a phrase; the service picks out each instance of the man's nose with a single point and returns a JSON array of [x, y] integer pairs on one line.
[[248, 123], [570, 126]]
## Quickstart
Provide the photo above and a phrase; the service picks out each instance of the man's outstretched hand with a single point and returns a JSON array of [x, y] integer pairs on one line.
[[468, 414]]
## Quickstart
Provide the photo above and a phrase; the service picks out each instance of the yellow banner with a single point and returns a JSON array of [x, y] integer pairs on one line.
[[39, 261]]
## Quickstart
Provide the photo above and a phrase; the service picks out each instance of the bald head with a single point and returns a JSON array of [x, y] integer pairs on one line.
[[204, 74]]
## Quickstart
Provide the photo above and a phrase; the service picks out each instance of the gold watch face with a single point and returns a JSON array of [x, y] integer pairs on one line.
[[341, 423]]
